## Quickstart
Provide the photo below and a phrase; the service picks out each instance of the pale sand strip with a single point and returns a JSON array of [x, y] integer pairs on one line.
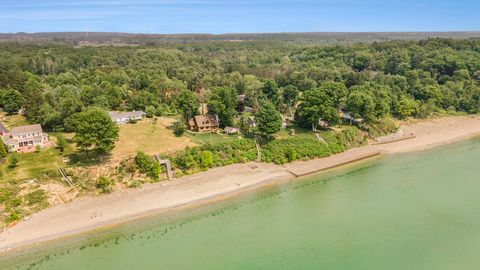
[[87, 213]]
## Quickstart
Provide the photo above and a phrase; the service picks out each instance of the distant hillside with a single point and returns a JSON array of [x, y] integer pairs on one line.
[[92, 38]]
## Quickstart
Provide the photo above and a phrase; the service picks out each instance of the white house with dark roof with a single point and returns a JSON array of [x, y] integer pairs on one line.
[[26, 138], [125, 117]]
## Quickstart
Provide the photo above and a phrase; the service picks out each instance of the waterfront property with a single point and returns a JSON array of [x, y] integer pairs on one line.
[[125, 117], [25, 138], [203, 123]]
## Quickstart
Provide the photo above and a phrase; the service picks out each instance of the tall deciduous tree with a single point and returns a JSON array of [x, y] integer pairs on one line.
[[222, 102], [33, 97], [361, 104], [93, 129], [12, 101], [268, 118], [317, 106], [188, 104]]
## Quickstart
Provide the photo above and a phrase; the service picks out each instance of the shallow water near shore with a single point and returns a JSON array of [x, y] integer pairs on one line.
[[411, 211]]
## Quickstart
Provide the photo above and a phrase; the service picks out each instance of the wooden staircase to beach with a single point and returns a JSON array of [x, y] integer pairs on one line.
[[167, 165], [67, 179]]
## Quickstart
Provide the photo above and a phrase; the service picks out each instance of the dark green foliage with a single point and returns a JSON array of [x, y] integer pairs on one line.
[[317, 106], [12, 101], [61, 142], [308, 146], [222, 102], [179, 128], [147, 165], [93, 130], [144, 162], [280, 151], [268, 118], [13, 160], [51, 82], [150, 111], [104, 184], [188, 104], [214, 155]]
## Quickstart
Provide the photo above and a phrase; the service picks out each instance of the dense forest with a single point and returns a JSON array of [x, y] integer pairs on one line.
[[399, 78]]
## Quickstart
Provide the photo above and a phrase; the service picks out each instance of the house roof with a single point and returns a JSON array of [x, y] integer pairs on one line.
[[26, 129], [205, 120], [121, 115]]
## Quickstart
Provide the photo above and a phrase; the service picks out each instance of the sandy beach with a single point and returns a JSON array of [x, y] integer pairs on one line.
[[89, 213]]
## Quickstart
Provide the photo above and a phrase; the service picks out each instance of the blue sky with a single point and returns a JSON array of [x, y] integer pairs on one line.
[[222, 16]]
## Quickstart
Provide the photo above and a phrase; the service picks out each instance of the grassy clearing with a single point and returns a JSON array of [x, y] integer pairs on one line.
[[32, 165], [213, 138], [149, 136], [13, 120]]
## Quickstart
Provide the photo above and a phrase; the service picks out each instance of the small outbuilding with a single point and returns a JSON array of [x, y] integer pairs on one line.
[[125, 117], [231, 130]]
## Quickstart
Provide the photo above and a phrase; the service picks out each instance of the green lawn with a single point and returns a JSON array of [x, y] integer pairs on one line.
[[13, 120], [32, 165], [203, 138]]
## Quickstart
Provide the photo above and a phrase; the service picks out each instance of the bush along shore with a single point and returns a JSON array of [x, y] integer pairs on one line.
[[279, 151]]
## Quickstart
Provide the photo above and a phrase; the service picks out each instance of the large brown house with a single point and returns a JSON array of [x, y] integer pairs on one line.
[[203, 123]]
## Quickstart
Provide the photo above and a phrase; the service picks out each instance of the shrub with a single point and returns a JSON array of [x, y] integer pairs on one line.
[[3, 150], [14, 216], [13, 160], [206, 159], [104, 184], [37, 197], [150, 111], [144, 162], [61, 143], [156, 169], [179, 128]]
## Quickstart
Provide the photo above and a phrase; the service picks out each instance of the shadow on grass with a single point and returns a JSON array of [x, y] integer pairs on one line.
[[87, 158]]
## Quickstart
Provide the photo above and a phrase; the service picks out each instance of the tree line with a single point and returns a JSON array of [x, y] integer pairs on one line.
[[51, 83]]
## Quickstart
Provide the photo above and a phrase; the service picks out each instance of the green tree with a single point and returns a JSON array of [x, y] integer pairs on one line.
[[179, 128], [271, 91], [361, 104], [13, 160], [150, 111], [406, 107], [187, 103], [93, 129], [61, 142], [317, 106], [12, 101], [33, 97], [49, 117], [144, 162], [268, 118], [222, 102], [336, 91]]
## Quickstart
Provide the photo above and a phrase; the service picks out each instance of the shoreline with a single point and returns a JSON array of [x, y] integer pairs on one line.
[[88, 214]]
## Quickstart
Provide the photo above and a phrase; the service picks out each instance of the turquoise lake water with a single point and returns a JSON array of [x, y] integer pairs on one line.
[[412, 211]]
